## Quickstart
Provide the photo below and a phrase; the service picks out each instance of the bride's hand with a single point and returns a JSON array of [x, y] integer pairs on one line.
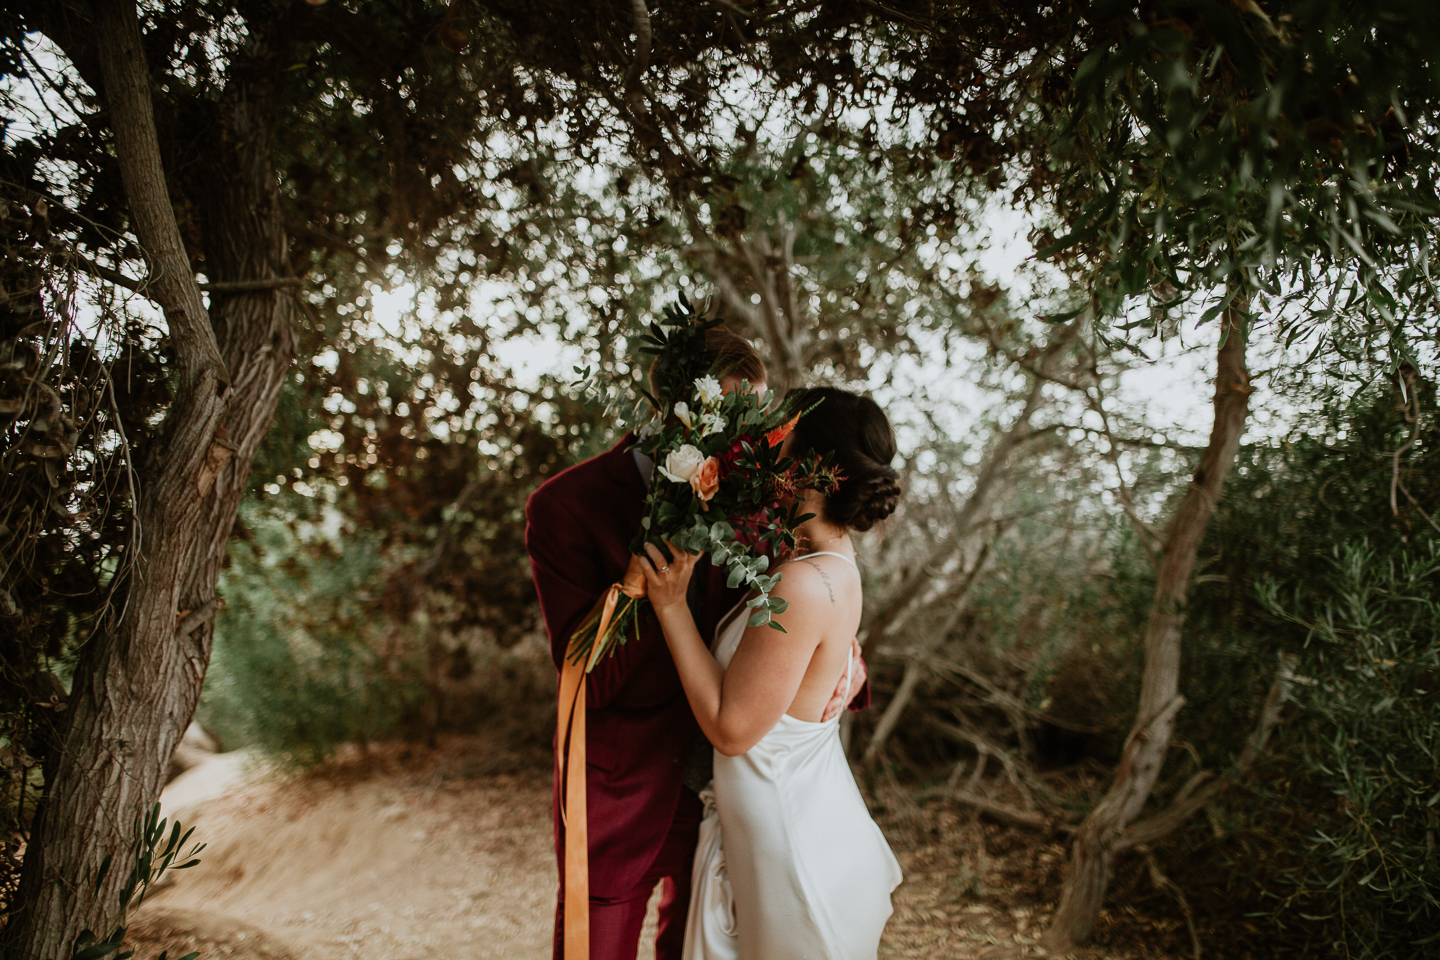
[[667, 581]]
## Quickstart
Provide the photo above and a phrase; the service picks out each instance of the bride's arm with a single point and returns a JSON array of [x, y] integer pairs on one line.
[[737, 708]]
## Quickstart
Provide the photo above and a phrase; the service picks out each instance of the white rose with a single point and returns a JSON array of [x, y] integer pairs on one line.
[[711, 423], [680, 465], [707, 390], [682, 410]]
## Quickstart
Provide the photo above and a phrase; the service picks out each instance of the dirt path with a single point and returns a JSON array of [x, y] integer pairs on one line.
[[411, 855]]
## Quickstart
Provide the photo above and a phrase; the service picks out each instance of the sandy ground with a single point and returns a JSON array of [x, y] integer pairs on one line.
[[410, 854]]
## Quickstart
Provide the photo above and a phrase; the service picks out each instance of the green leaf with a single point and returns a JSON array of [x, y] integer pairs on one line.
[[758, 618], [1088, 67], [104, 948], [1215, 310], [1065, 317]]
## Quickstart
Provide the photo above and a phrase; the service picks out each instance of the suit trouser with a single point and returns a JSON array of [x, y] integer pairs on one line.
[[615, 922]]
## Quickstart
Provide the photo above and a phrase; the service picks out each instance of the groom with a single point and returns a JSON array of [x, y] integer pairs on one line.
[[643, 817]]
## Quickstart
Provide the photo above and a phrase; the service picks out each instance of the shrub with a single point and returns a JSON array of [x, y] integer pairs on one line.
[[1368, 739], [1332, 840], [303, 659]]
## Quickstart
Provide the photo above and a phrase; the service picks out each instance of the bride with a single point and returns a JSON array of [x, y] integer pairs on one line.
[[789, 865]]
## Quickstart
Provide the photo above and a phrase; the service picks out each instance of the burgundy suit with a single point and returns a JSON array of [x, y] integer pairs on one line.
[[643, 821], [639, 724]]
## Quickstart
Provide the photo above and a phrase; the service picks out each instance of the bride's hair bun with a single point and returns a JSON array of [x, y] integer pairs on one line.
[[856, 432], [868, 502]]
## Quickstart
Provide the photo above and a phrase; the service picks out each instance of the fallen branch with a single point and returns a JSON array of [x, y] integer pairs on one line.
[[1004, 812], [1004, 700], [1169, 886], [1033, 819], [1014, 771]]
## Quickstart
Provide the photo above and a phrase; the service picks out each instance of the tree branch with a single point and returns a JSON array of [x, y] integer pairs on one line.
[[780, 330], [634, 91], [194, 618], [142, 286], [1150, 540], [1003, 812], [1169, 886], [1193, 797], [250, 286], [878, 626], [132, 120], [915, 669], [725, 284]]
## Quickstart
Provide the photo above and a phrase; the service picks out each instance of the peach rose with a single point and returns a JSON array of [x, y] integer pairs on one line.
[[706, 480]]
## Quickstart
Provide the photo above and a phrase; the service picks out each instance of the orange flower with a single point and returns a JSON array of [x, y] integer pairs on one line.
[[779, 434], [706, 480]]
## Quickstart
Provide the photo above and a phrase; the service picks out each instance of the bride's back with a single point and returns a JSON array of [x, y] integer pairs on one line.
[[833, 580]]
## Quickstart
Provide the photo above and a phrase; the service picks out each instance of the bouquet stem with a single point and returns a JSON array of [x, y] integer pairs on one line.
[[605, 625]]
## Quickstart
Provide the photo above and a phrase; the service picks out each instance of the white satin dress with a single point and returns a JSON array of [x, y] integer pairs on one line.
[[790, 865]]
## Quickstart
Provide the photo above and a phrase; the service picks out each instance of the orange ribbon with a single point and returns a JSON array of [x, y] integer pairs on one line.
[[571, 727]]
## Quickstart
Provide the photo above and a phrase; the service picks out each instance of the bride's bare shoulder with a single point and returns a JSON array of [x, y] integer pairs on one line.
[[807, 581]]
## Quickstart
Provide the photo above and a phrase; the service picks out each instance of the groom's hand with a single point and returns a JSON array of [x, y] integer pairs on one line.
[[845, 691]]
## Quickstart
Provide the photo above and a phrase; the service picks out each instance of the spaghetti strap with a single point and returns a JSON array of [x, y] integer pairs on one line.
[[826, 553]]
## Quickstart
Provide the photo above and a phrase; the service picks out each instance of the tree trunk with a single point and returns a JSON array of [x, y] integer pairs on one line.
[[138, 680], [764, 270], [1103, 831]]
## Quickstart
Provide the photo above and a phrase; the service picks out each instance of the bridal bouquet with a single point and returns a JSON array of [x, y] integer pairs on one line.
[[718, 484]]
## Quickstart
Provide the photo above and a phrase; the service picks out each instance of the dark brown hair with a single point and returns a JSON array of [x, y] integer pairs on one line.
[[855, 432], [729, 355]]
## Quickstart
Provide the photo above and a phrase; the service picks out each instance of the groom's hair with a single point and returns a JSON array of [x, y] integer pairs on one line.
[[729, 355]]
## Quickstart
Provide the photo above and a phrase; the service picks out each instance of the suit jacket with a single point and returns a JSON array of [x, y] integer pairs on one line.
[[640, 727]]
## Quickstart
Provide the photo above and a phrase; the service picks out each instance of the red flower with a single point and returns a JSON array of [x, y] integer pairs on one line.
[[728, 458], [779, 434]]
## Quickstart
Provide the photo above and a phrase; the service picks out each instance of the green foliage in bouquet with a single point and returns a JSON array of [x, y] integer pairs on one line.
[[721, 485]]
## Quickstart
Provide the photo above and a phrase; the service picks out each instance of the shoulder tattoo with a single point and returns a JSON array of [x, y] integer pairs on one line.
[[825, 577]]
